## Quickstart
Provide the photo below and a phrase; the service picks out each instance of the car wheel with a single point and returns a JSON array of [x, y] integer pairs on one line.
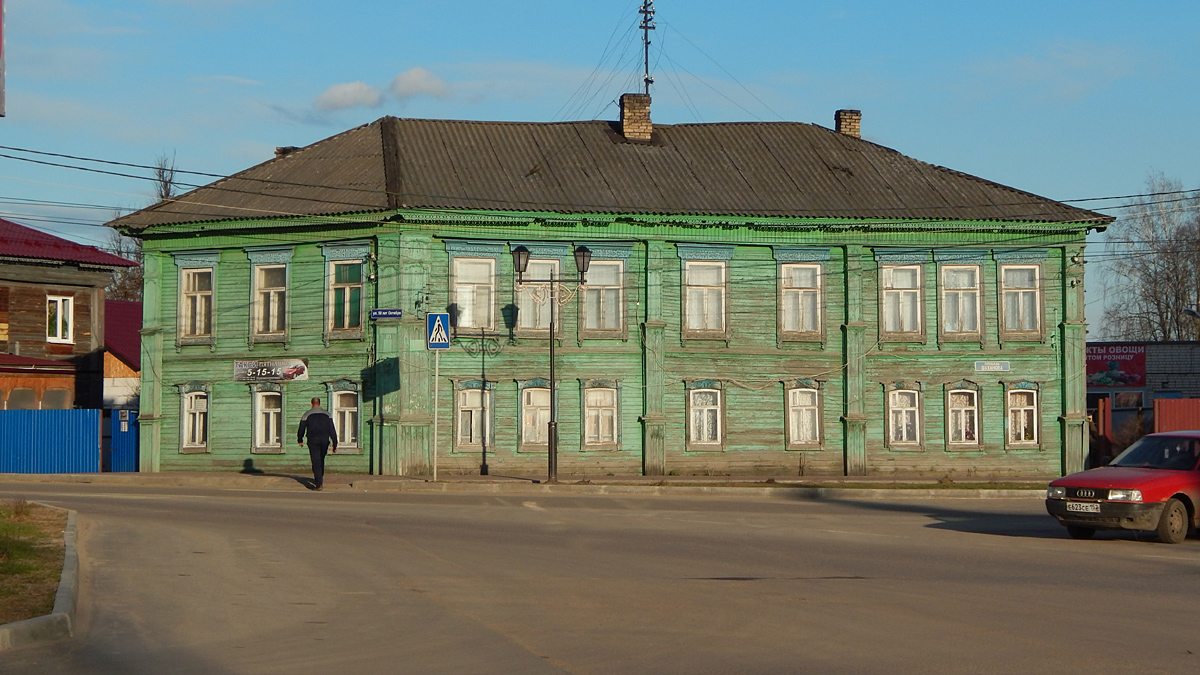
[[1078, 532], [1173, 524]]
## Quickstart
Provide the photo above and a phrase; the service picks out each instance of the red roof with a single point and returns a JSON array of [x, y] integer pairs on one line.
[[18, 241], [11, 363], [122, 321]]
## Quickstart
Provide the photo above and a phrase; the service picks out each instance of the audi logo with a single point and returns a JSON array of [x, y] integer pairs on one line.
[[1085, 493]]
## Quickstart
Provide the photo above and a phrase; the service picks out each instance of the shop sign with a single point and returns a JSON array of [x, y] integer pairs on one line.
[[270, 370], [1116, 365]]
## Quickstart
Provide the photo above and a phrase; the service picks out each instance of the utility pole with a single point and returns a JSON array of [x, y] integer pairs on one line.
[[647, 25]]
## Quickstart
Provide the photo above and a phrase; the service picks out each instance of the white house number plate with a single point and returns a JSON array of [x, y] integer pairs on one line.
[[1085, 507]]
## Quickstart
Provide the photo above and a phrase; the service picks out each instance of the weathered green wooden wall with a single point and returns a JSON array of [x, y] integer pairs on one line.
[[651, 362]]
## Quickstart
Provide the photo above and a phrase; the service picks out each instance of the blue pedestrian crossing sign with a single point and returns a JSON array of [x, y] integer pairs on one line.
[[437, 331]]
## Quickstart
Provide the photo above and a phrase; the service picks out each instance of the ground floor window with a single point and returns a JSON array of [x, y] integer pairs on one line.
[[268, 413], [803, 417], [195, 420], [345, 418], [474, 411], [904, 417], [1022, 417], [600, 416], [535, 416], [704, 417], [964, 417]]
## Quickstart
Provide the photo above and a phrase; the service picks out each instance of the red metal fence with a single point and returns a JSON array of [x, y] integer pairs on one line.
[[1176, 414]]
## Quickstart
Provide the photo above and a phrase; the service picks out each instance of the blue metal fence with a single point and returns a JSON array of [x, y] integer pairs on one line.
[[49, 441], [124, 441]]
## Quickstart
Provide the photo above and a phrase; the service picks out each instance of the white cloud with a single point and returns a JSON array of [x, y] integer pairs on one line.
[[417, 81], [349, 95]]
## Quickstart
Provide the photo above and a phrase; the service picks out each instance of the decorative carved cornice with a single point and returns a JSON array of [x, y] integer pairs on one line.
[[188, 259], [705, 251], [788, 254]]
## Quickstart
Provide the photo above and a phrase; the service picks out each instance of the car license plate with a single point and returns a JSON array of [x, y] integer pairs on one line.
[[1085, 507]]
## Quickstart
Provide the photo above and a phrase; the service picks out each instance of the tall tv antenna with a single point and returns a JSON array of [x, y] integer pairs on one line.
[[647, 12]]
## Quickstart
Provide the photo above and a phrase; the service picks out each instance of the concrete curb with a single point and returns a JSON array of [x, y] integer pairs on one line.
[[59, 623], [812, 493]]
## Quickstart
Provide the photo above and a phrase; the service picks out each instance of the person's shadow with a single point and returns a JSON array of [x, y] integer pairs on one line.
[[249, 469]]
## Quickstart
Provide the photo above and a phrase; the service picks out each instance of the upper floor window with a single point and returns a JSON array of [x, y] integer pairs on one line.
[[960, 300], [1020, 287], [345, 295], [804, 417], [535, 416], [704, 413], [602, 296], [268, 431], [60, 319], [270, 299], [900, 304], [904, 417], [345, 418], [964, 417], [196, 303], [474, 291], [600, 416], [1022, 417], [195, 420], [704, 296], [800, 304], [533, 297]]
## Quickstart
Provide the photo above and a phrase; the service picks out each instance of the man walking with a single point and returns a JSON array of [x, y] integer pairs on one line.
[[319, 426]]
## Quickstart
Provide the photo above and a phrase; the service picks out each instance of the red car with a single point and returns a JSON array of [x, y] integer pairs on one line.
[[1153, 485]]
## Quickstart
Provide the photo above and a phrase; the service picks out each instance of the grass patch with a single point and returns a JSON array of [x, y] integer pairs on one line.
[[31, 558]]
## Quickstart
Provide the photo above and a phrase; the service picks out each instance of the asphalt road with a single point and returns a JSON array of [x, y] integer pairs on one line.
[[224, 581]]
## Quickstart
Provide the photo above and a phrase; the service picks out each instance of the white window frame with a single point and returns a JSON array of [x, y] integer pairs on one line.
[[276, 302], [902, 440], [339, 413], [533, 297], [267, 439], [1010, 294], [196, 419], [974, 295], [956, 418], [707, 294], [800, 298], [596, 417], [348, 287], [189, 301], [64, 306], [594, 297], [889, 294], [535, 419], [698, 414], [467, 320], [796, 409], [480, 415], [1010, 409]]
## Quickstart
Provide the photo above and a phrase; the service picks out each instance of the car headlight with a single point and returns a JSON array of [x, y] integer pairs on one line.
[[1124, 495], [1054, 492]]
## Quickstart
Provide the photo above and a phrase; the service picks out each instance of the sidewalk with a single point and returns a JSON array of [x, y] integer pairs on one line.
[[813, 487]]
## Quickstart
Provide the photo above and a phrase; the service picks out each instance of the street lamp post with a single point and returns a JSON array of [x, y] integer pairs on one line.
[[583, 260]]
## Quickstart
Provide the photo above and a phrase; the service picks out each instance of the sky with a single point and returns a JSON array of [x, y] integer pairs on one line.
[[1069, 100]]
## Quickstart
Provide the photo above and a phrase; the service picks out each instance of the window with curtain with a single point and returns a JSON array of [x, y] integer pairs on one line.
[[801, 298], [533, 297], [803, 417], [960, 299], [270, 293], [600, 416], [474, 291], [602, 307], [196, 303], [901, 298], [704, 296]]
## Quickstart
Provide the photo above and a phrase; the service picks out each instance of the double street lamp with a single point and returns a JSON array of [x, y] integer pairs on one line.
[[583, 260]]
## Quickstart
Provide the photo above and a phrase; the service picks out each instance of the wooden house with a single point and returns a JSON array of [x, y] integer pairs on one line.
[[761, 298]]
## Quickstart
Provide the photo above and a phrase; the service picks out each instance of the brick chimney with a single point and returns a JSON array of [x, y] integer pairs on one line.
[[848, 122], [635, 117]]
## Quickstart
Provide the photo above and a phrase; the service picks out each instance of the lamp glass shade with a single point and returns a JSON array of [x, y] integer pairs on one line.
[[520, 256], [583, 259]]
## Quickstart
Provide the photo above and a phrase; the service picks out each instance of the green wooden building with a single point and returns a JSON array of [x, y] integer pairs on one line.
[[761, 298]]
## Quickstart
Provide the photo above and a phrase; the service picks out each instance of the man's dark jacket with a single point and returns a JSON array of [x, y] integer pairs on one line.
[[319, 426]]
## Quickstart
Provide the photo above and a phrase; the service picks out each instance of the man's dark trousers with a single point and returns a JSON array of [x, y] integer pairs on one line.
[[317, 452]]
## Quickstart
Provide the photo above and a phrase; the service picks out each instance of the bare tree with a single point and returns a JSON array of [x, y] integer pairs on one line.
[[1154, 265], [165, 186], [127, 282]]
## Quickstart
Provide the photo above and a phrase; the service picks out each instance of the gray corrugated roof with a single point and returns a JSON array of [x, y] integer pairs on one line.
[[751, 169]]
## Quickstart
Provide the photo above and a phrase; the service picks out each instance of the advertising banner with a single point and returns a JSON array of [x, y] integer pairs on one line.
[[270, 370], [1116, 365]]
